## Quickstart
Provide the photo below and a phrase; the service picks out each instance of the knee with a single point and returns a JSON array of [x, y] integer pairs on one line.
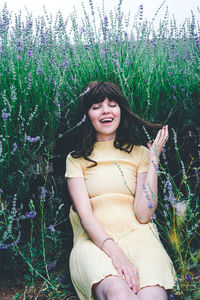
[[117, 290], [152, 293]]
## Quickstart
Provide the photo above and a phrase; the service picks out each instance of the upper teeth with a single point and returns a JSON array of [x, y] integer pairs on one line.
[[106, 120]]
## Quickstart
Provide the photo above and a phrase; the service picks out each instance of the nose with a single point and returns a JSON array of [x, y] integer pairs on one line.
[[106, 108]]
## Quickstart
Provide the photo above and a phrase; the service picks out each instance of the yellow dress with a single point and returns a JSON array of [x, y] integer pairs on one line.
[[111, 187]]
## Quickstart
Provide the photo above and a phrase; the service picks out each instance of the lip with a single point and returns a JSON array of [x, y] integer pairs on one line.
[[108, 118]]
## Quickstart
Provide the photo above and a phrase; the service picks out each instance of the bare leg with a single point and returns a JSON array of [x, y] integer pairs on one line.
[[113, 288], [152, 293]]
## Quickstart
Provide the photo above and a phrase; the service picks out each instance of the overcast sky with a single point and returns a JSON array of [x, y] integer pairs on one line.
[[181, 9]]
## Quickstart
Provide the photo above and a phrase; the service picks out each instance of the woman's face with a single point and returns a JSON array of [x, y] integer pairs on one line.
[[105, 118]]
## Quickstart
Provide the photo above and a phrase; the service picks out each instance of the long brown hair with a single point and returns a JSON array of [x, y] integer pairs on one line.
[[129, 131]]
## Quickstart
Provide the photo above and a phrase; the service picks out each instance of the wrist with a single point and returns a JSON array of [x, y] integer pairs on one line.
[[111, 249], [106, 240], [154, 163]]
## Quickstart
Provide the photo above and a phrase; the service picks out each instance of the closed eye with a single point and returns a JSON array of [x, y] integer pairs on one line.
[[113, 104]]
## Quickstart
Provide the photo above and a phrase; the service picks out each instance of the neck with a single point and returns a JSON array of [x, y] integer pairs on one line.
[[104, 138]]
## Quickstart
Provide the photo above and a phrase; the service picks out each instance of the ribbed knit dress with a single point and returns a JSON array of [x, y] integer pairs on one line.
[[111, 187]]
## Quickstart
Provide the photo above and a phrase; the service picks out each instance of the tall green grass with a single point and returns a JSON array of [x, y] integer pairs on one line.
[[44, 66]]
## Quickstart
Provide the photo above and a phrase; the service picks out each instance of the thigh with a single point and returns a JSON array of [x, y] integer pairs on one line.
[[152, 293]]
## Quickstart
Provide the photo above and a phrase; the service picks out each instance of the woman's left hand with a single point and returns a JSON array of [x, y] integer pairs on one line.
[[158, 144]]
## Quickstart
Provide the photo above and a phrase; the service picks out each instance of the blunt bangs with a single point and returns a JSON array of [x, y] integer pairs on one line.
[[99, 91]]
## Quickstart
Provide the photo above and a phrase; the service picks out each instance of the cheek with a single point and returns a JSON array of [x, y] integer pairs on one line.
[[118, 115], [92, 116]]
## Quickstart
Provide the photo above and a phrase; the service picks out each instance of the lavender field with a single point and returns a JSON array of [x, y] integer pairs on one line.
[[44, 66]]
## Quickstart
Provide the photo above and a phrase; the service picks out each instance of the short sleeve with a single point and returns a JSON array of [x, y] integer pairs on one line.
[[144, 160], [73, 167]]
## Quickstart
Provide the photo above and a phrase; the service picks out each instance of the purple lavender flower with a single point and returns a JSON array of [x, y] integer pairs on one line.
[[15, 147], [6, 246], [29, 52], [63, 280], [87, 46], [105, 21], [29, 24], [155, 166], [32, 139], [57, 102], [150, 205], [31, 214], [116, 54], [19, 43], [82, 121], [92, 7], [147, 195], [51, 266], [169, 185], [5, 115], [43, 194], [40, 71], [51, 228], [188, 278], [153, 217], [141, 11]]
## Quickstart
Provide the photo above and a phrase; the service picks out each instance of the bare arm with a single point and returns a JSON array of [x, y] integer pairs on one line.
[[146, 198], [79, 194]]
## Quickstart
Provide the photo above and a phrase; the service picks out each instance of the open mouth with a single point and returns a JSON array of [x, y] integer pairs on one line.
[[106, 120]]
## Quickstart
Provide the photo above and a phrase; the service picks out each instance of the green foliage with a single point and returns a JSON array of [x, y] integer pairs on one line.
[[44, 66]]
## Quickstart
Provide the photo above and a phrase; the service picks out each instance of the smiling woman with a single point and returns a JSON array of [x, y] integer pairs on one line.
[[112, 181]]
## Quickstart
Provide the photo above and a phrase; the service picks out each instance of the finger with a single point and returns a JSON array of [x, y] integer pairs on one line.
[[135, 282], [128, 280], [162, 136], [136, 286], [120, 272], [165, 130], [134, 278]]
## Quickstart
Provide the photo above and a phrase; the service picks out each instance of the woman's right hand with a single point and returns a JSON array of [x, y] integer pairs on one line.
[[126, 270]]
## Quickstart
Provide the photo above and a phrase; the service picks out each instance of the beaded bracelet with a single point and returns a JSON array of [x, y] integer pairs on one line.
[[105, 241]]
